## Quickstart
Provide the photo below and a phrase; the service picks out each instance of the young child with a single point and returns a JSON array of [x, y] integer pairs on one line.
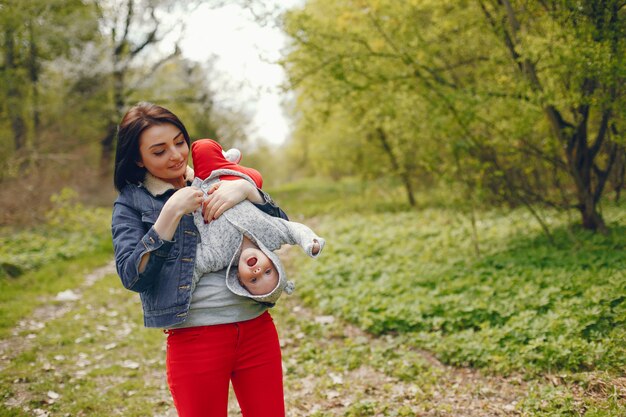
[[243, 238]]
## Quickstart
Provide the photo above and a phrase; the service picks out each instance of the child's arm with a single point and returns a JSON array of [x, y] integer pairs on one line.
[[299, 234], [273, 232]]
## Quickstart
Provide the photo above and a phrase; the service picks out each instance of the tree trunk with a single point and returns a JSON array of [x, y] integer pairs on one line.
[[592, 220], [107, 143], [106, 150], [33, 69], [618, 176], [14, 96], [581, 164], [588, 178], [382, 136]]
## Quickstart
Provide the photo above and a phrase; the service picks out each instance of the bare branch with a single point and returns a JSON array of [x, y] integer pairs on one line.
[[153, 69], [603, 175], [150, 37], [129, 18]]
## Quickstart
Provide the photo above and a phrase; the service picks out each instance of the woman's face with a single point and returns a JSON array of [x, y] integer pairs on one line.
[[163, 152]]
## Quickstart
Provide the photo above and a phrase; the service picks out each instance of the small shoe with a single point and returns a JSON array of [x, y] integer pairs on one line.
[[233, 155]]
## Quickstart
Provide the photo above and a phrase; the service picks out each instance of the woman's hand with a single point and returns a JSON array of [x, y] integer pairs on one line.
[[183, 201], [226, 194]]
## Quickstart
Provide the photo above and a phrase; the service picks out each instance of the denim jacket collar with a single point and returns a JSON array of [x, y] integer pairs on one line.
[[157, 186]]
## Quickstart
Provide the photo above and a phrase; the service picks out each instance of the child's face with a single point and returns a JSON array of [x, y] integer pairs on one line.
[[257, 273]]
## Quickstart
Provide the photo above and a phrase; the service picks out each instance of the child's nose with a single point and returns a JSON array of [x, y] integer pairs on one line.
[[256, 270]]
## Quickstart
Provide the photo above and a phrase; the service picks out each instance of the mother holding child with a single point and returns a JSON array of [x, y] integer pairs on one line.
[[201, 257]]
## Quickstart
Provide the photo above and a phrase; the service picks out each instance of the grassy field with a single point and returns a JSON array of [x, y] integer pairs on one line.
[[50, 257], [525, 326], [520, 303]]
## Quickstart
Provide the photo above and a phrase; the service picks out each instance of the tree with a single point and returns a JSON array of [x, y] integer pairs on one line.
[[524, 98], [582, 125], [132, 27], [188, 89], [35, 34]]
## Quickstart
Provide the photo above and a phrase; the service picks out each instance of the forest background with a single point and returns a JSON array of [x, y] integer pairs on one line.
[[465, 160]]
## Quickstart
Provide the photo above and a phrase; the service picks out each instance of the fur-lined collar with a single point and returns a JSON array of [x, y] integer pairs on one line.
[[157, 186]]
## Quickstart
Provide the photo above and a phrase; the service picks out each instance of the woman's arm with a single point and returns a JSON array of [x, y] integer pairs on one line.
[[132, 244], [139, 255], [186, 200], [270, 207]]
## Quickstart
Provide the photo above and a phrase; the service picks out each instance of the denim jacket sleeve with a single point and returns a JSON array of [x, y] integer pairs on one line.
[[131, 241], [270, 207]]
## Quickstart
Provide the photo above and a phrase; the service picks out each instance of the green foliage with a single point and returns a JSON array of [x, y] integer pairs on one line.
[[485, 94], [36, 34], [51, 258], [71, 230], [315, 196], [600, 397], [524, 304], [84, 357]]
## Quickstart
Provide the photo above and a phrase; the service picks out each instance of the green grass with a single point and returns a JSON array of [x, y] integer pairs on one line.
[[51, 257], [315, 197], [20, 296], [523, 304], [83, 356]]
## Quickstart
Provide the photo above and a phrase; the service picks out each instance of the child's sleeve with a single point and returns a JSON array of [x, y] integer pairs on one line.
[[299, 234]]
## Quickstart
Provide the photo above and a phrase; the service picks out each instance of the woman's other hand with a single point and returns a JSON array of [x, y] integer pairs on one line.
[[183, 201], [226, 194]]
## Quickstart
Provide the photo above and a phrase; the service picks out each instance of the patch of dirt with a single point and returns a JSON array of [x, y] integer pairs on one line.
[[24, 334], [367, 390], [51, 310]]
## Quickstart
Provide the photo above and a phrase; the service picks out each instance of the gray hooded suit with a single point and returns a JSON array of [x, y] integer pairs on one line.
[[221, 240]]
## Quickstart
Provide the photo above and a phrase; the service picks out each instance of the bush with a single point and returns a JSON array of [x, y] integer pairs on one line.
[[71, 229], [525, 303]]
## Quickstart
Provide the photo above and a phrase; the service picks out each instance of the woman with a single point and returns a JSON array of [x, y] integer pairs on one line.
[[214, 336]]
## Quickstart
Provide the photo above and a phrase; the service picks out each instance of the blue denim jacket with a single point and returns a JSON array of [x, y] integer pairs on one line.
[[165, 284]]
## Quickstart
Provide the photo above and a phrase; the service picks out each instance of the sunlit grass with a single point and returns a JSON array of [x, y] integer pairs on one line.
[[411, 277]]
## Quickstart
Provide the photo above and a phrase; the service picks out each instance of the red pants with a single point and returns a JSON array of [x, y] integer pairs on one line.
[[202, 360]]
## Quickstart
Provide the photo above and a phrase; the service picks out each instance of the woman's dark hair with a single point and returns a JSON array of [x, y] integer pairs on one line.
[[139, 118]]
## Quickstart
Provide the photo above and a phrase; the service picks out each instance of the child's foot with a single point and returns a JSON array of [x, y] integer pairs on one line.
[[233, 155]]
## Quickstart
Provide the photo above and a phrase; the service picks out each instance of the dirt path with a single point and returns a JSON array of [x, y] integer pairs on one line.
[[331, 369], [24, 334], [17, 343], [337, 370]]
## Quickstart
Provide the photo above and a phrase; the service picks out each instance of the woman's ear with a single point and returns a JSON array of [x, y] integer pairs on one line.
[[139, 164]]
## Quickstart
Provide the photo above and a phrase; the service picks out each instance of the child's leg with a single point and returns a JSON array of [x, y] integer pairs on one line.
[[207, 156]]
